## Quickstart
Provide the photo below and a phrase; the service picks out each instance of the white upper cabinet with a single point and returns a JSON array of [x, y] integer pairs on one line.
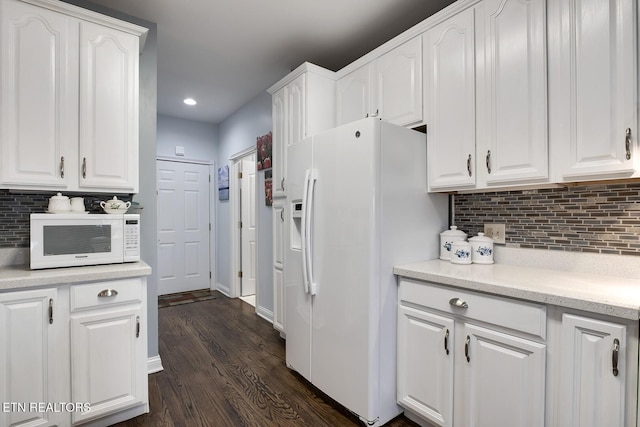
[[108, 108], [353, 95], [39, 95], [450, 102], [512, 96], [278, 138], [69, 99], [303, 103], [390, 87], [398, 83], [594, 84]]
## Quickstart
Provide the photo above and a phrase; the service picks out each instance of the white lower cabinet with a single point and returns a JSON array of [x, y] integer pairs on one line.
[[425, 364], [473, 359], [598, 372], [278, 264], [108, 347], [82, 345], [504, 379], [462, 362], [32, 335]]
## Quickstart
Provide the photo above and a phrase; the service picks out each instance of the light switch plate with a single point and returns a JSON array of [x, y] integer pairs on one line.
[[496, 232]]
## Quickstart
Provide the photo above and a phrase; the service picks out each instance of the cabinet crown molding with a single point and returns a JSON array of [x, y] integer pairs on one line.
[[303, 68], [95, 17]]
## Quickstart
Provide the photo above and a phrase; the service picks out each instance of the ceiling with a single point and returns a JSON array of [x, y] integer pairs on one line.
[[224, 53]]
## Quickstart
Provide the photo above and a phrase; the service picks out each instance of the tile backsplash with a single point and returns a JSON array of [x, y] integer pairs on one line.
[[596, 218], [15, 208]]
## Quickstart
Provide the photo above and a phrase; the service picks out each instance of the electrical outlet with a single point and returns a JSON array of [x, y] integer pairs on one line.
[[495, 231]]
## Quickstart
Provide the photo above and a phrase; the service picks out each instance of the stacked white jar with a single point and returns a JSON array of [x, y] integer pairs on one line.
[[448, 238], [481, 249]]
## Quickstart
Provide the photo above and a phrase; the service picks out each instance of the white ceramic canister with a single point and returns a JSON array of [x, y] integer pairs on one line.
[[77, 204], [59, 204], [461, 252], [481, 249], [447, 238]]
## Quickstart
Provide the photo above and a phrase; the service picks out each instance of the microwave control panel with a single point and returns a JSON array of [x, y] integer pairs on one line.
[[131, 238]]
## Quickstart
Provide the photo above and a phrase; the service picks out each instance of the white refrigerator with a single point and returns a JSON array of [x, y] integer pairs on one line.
[[356, 206]]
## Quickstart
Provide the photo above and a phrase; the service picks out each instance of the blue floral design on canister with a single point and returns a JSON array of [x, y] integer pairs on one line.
[[461, 253]]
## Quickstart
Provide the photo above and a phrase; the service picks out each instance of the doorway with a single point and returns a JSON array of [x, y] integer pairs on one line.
[[184, 230], [244, 226]]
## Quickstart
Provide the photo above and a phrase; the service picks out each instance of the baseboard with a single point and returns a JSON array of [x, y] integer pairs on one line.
[[154, 364], [265, 314], [223, 290]]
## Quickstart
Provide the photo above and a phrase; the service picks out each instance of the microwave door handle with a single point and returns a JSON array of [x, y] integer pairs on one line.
[[303, 237], [309, 232]]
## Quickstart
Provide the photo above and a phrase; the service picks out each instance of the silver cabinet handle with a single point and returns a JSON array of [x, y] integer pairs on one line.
[[107, 293], [51, 311], [614, 356], [446, 342], [488, 161], [469, 164], [84, 167], [467, 343], [282, 184], [457, 302], [62, 167], [282, 215], [137, 326], [627, 143]]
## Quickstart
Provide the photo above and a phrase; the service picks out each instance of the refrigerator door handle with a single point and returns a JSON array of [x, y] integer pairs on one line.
[[309, 234], [303, 231]]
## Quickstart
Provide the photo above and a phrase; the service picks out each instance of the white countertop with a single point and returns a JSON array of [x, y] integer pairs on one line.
[[20, 276], [596, 293]]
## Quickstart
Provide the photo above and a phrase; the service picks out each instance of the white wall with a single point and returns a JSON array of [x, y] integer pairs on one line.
[[199, 139], [236, 134]]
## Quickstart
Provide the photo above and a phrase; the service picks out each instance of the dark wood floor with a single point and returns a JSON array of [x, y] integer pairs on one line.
[[225, 366]]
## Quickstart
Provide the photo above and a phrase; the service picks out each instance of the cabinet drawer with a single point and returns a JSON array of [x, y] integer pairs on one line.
[[107, 293], [520, 316]]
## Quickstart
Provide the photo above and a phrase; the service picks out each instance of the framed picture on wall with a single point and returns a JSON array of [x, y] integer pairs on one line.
[[264, 149], [223, 183], [268, 186]]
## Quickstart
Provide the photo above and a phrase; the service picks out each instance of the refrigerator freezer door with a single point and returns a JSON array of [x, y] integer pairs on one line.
[[297, 300], [343, 361]]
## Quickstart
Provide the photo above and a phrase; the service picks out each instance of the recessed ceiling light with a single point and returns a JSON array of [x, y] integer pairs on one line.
[[190, 101]]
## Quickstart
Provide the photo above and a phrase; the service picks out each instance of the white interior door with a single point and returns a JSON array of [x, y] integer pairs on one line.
[[248, 231], [183, 226]]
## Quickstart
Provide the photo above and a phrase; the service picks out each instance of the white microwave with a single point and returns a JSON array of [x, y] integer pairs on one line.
[[74, 239]]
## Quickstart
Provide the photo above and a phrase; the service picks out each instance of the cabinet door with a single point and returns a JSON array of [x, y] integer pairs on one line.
[[399, 84], [278, 264], [513, 112], [425, 364], [29, 356], [279, 138], [39, 96], [278, 234], [108, 109], [594, 97], [278, 300], [504, 379], [296, 105], [593, 394], [108, 354], [450, 102], [353, 95]]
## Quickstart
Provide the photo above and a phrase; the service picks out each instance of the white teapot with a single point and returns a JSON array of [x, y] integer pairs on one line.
[[115, 206]]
